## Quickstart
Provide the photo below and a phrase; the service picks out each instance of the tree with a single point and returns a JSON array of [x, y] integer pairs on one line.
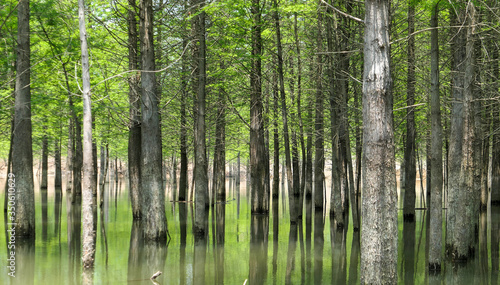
[[319, 159], [379, 228], [153, 200], [22, 164], [134, 138], [436, 205], [88, 201], [410, 163], [201, 164], [260, 202]]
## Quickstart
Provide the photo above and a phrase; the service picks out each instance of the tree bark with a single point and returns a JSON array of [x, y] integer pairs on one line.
[[336, 199], [201, 163], [457, 243], [22, 164], [284, 112], [88, 201], [57, 162], [259, 201], [219, 184], [379, 235], [45, 159], [153, 200], [134, 135], [409, 154], [436, 212], [183, 178], [319, 159]]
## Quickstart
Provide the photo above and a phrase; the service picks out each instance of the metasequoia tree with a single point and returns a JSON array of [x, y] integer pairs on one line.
[[379, 228], [134, 134], [436, 212], [259, 199], [22, 164], [459, 217], [319, 159], [153, 194], [88, 202], [410, 171], [201, 164]]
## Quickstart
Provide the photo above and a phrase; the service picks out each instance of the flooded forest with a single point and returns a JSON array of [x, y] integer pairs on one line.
[[249, 142]]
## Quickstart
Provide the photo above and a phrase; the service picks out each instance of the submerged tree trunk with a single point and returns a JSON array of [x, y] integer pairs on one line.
[[410, 162], [379, 234], [457, 237], [335, 101], [134, 135], [57, 162], [183, 178], [76, 190], [219, 184], [284, 109], [88, 202], [259, 201], [201, 163], [436, 212], [22, 163], [45, 159], [153, 202], [319, 159]]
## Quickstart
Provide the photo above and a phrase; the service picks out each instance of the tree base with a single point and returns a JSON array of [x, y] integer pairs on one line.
[[434, 268], [409, 218]]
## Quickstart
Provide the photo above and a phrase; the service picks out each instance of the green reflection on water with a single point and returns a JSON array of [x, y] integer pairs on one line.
[[326, 256]]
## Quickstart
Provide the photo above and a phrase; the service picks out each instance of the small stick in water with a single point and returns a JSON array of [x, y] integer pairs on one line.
[[158, 273]]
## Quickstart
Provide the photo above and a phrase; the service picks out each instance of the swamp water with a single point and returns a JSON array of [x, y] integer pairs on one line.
[[237, 251]]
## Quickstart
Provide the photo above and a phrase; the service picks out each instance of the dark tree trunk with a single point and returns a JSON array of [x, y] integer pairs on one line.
[[436, 205], [219, 184], [76, 190], [153, 199], [284, 112], [183, 178], [410, 162], [45, 159], [379, 235], [495, 159], [336, 200], [201, 163], [22, 164], [319, 159], [259, 201], [57, 162], [276, 140], [134, 135]]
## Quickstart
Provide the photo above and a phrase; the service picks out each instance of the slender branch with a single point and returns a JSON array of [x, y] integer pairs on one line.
[[343, 13]]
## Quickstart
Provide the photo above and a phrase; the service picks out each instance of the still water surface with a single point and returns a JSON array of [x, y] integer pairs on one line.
[[238, 250]]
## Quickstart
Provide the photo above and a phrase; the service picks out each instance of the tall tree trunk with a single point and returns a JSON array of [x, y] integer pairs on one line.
[[71, 137], [494, 85], [201, 163], [436, 205], [259, 203], [88, 202], [319, 159], [276, 140], [134, 134], [153, 200], [22, 164], [57, 162], [183, 178], [76, 190], [410, 162], [45, 159], [284, 112], [336, 199], [456, 243], [379, 235], [219, 184]]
